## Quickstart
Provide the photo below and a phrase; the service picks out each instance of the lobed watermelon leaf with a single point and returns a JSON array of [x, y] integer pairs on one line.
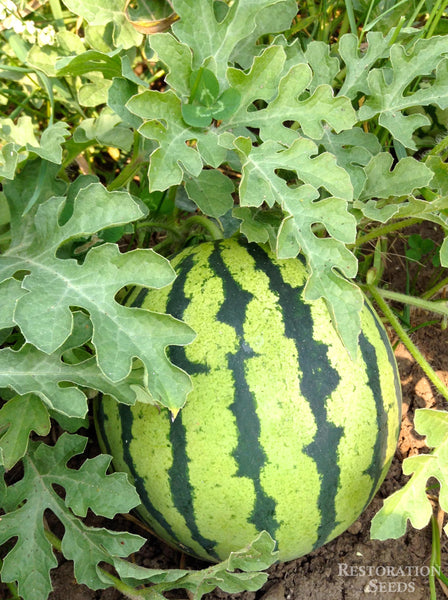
[[211, 191], [319, 107], [19, 139], [25, 502], [166, 125], [239, 572], [18, 417], [103, 12], [55, 285], [382, 181], [389, 93], [218, 40], [411, 501], [359, 62], [30, 370]]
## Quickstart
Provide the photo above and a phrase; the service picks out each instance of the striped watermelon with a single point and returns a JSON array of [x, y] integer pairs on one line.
[[283, 431]]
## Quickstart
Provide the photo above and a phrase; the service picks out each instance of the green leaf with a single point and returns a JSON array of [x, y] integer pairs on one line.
[[9, 158], [443, 253], [32, 557], [260, 183], [389, 93], [329, 261], [320, 107], [204, 103], [204, 87], [411, 501], [324, 67], [19, 417], [118, 94], [227, 104], [90, 61], [240, 572], [102, 12], [177, 57], [439, 181], [101, 37], [260, 83], [10, 291], [151, 10], [263, 82], [269, 19], [5, 215], [43, 58], [211, 191], [69, 42], [31, 370], [36, 182], [20, 134], [166, 125], [50, 144], [382, 182], [380, 210], [107, 129], [359, 62], [210, 39], [54, 285], [353, 149], [254, 229], [197, 115], [95, 92]]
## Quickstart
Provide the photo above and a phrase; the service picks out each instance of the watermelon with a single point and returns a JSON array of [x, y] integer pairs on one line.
[[283, 430]]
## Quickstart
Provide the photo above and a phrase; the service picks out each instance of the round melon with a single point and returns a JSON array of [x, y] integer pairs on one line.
[[283, 430]]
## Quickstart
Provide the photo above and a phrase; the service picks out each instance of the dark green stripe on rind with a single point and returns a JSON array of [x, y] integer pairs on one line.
[[181, 489], [319, 379], [176, 305], [370, 358], [140, 298], [383, 335], [100, 421], [127, 418], [249, 454], [373, 377]]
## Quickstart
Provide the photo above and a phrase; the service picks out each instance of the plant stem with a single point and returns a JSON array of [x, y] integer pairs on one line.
[[397, 31], [415, 14], [351, 16], [57, 14], [415, 352], [434, 18], [427, 305], [435, 557], [122, 587], [158, 225], [53, 539], [126, 174], [385, 229], [435, 289], [440, 147], [207, 224]]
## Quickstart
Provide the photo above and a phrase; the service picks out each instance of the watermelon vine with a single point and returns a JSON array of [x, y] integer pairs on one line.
[[130, 133]]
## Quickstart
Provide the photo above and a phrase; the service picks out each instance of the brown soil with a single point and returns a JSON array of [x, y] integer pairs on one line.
[[353, 566]]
